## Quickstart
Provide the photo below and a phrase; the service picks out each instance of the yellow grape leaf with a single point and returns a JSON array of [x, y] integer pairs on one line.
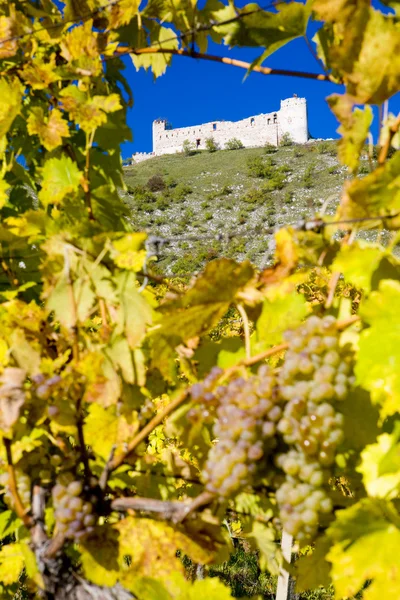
[[88, 112], [61, 177], [12, 396], [358, 262], [4, 187], [99, 556], [312, 569], [278, 314], [365, 547], [376, 194], [8, 45], [39, 74], [82, 50], [354, 129], [24, 353], [128, 252], [377, 484], [12, 561], [378, 362], [50, 129], [10, 103], [105, 428], [152, 546], [122, 13], [158, 63]]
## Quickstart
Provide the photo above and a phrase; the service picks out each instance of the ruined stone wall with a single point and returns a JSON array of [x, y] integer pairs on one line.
[[253, 131]]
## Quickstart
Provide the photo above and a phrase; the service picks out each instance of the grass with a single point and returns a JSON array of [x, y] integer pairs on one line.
[[217, 192]]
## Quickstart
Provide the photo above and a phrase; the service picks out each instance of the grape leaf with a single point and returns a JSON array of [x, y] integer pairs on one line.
[[264, 539], [10, 103], [358, 262], [50, 129], [378, 365], [12, 562], [99, 557], [380, 466], [157, 62], [61, 177], [366, 545], [353, 129], [312, 569], [278, 314]]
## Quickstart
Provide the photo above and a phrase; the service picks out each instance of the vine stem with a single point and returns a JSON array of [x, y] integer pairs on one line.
[[74, 309], [241, 64], [246, 327], [12, 484]]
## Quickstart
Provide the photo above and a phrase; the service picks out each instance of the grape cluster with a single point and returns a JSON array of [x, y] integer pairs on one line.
[[23, 485], [206, 397], [247, 414], [314, 379], [44, 387], [74, 516]]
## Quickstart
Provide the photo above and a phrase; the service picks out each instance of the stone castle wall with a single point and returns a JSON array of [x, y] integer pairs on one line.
[[253, 131]]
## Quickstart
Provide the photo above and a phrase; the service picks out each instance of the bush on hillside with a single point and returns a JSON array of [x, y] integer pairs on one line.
[[188, 148], [270, 148], [286, 140], [211, 145], [234, 144], [308, 176], [257, 167], [181, 191], [156, 183]]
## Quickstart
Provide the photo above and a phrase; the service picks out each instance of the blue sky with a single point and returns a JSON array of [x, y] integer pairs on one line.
[[198, 91]]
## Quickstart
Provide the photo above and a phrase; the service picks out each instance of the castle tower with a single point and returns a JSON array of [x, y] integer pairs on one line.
[[159, 127], [293, 119]]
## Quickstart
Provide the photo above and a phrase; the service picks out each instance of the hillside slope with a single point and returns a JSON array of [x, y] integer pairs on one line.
[[230, 191]]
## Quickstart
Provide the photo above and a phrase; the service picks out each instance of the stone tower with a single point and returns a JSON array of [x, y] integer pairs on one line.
[[159, 127], [293, 119]]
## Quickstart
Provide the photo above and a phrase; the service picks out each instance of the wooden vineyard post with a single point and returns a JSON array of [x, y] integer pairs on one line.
[[282, 590]]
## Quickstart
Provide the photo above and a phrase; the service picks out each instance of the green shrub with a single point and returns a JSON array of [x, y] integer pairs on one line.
[[276, 182], [163, 202], [188, 148], [211, 145], [308, 176], [156, 183], [286, 140], [323, 147], [226, 190], [208, 216], [288, 198], [181, 191], [170, 182], [234, 144], [270, 148], [255, 196], [256, 167], [363, 169], [333, 170]]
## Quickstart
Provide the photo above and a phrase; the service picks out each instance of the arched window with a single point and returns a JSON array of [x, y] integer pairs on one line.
[[214, 127], [275, 118], [252, 121], [268, 121]]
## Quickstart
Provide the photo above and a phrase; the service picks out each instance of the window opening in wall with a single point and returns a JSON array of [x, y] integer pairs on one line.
[[198, 141], [252, 121], [268, 121], [214, 127], [275, 118]]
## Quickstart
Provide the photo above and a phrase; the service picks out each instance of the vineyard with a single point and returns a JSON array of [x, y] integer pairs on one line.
[[149, 421]]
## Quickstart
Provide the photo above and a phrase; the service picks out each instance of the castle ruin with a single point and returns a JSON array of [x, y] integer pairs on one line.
[[259, 130]]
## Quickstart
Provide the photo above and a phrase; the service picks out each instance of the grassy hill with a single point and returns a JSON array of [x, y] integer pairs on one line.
[[230, 191]]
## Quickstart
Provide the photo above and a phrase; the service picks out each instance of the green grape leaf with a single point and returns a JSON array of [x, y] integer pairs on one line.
[[376, 194], [270, 30], [264, 539], [12, 561], [8, 523], [356, 408], [10, 103], [278, 314], [104, 429], [354, 129], [312, 569], [378, 364], [99, 556], [365, 546], [358, 262], [147, 588], [61, 177]]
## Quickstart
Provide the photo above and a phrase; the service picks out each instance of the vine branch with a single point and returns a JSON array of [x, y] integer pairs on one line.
[[241, 64], [246, 328], [20, 510], [393, 129]]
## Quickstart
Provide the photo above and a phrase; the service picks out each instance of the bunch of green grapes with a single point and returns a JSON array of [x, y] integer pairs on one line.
[[247, 414], [206, 396], [315, 378], [23, 485], [74, 515]]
